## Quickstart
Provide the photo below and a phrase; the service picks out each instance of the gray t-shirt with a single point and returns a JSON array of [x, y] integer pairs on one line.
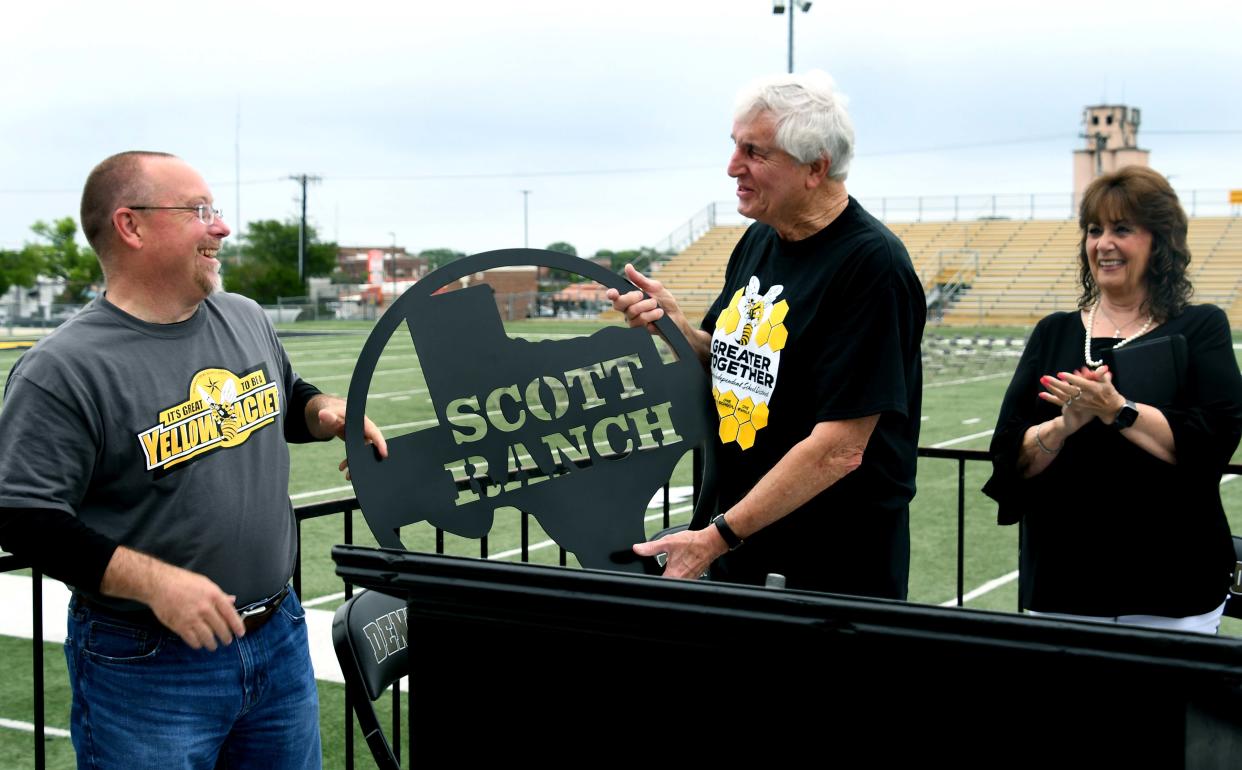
[[168, 438]]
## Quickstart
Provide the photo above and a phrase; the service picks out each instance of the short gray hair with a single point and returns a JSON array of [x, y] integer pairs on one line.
[[811, 120]]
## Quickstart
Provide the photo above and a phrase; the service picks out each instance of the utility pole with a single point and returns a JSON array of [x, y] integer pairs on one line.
[[302, 179]]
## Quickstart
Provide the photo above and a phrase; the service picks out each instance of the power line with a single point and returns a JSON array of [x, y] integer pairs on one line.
[[521, 174], [970, 145], [1193, 132], [78, 190], [658, 169]]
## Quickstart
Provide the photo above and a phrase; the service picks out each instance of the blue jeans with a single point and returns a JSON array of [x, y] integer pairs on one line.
[[143, 699]]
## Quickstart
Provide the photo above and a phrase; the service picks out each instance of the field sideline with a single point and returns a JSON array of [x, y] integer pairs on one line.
[[959, 410]]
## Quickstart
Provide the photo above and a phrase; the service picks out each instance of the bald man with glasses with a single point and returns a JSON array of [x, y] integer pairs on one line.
[[144, 461]]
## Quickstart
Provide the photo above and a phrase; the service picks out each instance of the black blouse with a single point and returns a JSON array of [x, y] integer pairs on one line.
[[1108, 529]]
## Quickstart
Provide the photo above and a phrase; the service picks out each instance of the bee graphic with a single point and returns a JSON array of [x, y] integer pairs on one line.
[[226, 421], [754, 311], [752, 307]]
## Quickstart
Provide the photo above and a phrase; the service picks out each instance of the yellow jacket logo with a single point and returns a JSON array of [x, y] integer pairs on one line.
[[223, 409]]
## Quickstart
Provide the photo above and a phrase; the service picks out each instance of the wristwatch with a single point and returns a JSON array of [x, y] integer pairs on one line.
[[730, 537], [1126, 415]]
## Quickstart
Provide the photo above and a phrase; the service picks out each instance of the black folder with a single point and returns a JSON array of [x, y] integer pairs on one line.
[[1149, 372]]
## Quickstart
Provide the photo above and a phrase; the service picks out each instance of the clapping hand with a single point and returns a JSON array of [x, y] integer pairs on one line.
[[1082, 395]]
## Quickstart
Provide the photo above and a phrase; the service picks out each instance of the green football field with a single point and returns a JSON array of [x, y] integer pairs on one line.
[[960, 403]]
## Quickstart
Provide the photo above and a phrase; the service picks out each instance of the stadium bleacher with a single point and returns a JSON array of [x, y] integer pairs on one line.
[[988, 272]]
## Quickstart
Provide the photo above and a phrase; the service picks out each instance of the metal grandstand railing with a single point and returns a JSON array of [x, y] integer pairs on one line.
[[346, 507], [715, 213], [918, 208]]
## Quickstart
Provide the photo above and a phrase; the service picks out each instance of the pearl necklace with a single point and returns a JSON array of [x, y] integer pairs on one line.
[[1086, 344]]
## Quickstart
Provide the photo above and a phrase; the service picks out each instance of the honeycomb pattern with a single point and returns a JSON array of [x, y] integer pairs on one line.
[[730, 318], [772, 332], [739, 420], [759, 417]]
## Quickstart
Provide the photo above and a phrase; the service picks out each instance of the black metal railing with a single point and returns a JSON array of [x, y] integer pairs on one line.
[[346, 507]]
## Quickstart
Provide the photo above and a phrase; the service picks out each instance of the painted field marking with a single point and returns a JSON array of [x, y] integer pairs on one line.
[[987, 587], [392, 393], [378, 373], [962, 439], [26, 727], [980, 378]]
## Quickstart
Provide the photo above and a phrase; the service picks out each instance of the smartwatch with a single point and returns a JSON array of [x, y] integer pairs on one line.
[[1126, 415], [730, 537]]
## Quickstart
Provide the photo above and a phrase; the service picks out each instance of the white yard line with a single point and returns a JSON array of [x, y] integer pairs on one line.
[[26, 727], [318, 492], [966, 380], [962, 439], [395, 393], [354, 360], [377, 373], [987, 587]]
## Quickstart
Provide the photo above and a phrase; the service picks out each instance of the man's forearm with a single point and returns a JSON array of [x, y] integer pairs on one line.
[[132, 575], [57, 543], [833, 450], [187, 603]]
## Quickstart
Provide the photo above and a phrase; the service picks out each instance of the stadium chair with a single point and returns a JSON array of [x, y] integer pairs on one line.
[[369, 634], [1233, 607]]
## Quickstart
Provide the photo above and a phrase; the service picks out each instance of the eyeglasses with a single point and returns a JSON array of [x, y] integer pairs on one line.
[[206, 214]]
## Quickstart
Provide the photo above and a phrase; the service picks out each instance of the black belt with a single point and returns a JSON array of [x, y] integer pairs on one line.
[[142, 616], [255, 615]]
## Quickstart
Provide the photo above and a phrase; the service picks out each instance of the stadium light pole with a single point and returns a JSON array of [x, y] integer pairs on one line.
[[778, 7], [525, 220], [393, 265]]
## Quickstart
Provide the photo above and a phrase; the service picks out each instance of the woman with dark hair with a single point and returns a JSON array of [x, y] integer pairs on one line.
[[1111, 458]]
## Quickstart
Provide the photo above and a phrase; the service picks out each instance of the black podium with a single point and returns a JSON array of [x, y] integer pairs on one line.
[[515, 663]]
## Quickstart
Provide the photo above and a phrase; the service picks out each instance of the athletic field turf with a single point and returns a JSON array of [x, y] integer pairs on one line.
[[962, 394]]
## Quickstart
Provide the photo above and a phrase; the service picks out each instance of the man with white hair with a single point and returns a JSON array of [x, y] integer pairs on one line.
[[813, 346], [143, 461]]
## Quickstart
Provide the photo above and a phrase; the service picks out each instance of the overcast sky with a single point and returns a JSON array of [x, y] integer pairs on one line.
[[427, 120]]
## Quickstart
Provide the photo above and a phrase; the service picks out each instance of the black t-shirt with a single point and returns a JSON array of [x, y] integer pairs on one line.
[[1109, 529], [826, 328]]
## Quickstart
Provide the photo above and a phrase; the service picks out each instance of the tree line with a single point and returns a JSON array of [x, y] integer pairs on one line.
[[263, 265]]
